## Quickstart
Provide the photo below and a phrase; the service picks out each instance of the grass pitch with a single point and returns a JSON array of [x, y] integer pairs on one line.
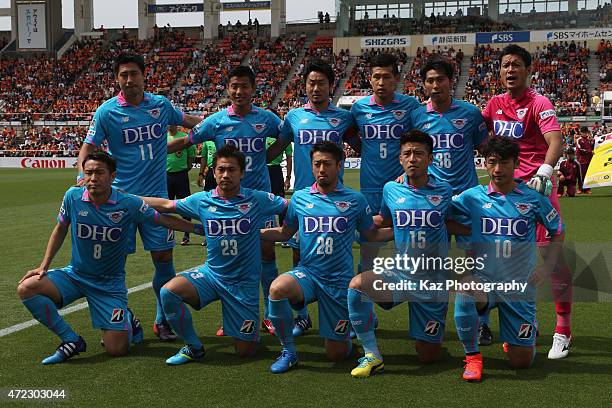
[[29, 203]]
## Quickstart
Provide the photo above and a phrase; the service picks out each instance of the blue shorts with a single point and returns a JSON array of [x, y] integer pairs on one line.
[[427, 307], [374, 200], [154, 238], [333, 307], [518, 323], [108, 310], [239, 302]]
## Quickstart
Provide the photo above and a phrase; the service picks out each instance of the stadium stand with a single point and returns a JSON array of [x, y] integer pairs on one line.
[[483, 79]]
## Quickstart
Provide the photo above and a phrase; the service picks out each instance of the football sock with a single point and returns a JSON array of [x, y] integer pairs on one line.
[[44, 310], [466, 321], [164, 271], [484, 318], [361, 314], [303, 313], [281, 317], [269, 272], [564, 323], [179, 317]]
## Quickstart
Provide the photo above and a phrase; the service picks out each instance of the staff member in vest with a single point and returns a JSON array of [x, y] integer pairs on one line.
[[178, 165]]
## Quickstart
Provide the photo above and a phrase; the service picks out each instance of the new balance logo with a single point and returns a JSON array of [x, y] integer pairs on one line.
[[342, 327], [117, 316], [248, 326]]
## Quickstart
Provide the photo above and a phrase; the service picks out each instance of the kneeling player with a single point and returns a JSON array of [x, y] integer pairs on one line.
[[418, 211], [231, 216], [504, 216], [326, 216], [99, 217]]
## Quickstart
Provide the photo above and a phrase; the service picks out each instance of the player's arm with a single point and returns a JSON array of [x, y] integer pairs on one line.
[[162, 205], [374, 234], [456, 228], [277, 234], [381, 222], [179, 224], [351, 137], [178, 144], [555, 147], [276, 149], [55, 243], [190, 121], [289, 158]]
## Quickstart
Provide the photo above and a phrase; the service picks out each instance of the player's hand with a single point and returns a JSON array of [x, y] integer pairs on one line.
[[200, 180], [541, 182], [40, 272], [561, 177], [401, 179], [540, 276], [287, 183]]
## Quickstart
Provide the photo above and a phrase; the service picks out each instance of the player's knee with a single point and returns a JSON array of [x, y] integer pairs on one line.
[[279, 288], [427, 353], [162, 256], [27, 289], [520, 357], [336, 354], [356, 282], [118, 349], [245, 349]]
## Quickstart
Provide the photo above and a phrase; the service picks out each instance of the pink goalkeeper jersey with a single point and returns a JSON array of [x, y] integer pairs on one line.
[[525, 120]]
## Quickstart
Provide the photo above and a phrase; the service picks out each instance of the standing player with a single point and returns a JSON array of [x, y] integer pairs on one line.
[[584, 154], [381, 119], [326, 214], [100, 218], [417, 210], [135, 124], [232, 216], [457, 128], [319, 120], [568, 174], [246, 126], [530, 119], [504, 216], [178, 165]]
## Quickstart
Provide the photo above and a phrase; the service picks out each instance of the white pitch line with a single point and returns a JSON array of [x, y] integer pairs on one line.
[[62, 312]]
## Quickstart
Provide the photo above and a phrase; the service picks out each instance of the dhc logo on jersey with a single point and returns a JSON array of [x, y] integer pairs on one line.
[[507, 227], [418, 218], [322, 224], [228, 226], [505, 128], [383, 131], [98, 232], [141, 134], [447, 140], [308, 137], [247, 144]]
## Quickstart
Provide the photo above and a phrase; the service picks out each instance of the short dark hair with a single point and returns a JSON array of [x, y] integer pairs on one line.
[[584, 129], [514, 49], [102, 156], [242, 71], [385, 60], [417, 136], [440, 64], [318, 65], [126, 58], [229, 151], [501, 147], [328, 147]]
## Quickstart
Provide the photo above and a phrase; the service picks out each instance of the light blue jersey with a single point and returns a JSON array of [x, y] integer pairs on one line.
[[100, 235], [306, 126], [419, 216], [455, 133], [136, 137], [232, 230], [248, 134], [380, 129], [504, 228], [326, 226]]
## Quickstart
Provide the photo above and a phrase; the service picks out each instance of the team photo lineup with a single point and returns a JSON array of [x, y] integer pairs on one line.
[[447, 250]]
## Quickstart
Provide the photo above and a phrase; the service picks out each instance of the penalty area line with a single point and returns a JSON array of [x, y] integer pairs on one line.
[[63, 312]]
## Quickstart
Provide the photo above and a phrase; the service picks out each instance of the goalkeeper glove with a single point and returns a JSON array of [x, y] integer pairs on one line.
[[541, 182]]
